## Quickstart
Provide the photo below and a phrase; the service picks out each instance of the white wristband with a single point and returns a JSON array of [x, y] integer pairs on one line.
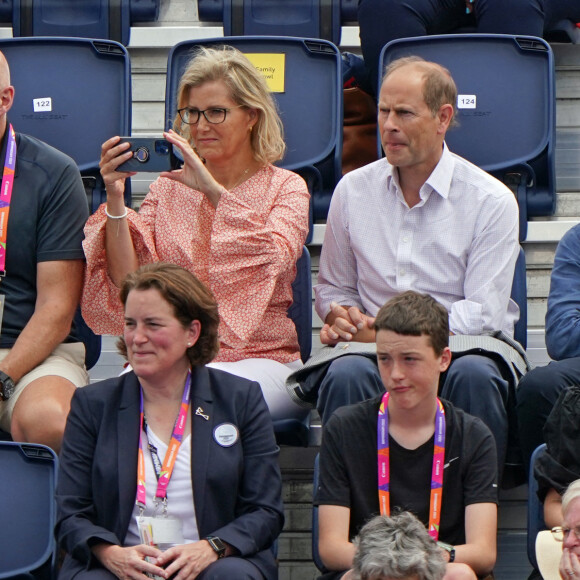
[[116, 217]]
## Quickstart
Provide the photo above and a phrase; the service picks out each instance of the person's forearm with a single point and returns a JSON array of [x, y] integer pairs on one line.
[[119, 248], [337, 556], [480, 559]]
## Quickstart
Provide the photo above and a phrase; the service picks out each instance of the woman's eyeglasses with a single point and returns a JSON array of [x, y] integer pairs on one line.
[[215, 115], [560, 533]]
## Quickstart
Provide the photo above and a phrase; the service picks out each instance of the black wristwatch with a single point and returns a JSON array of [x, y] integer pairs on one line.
[[217, 546], [7, 386], [448, 548]]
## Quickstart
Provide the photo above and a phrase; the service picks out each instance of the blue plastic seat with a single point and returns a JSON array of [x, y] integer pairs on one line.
[[310, 106], [520, 296], [28, 508], [315, 554], [506, 108], [91, 340], [302, 18], [110, 19], [74, 94], [301, 309], [535, 508], [295, 431]]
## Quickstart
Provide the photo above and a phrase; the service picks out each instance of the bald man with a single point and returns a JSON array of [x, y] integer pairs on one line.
[[43, 209], [422, 219]]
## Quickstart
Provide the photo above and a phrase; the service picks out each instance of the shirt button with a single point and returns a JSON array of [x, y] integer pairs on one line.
[[406, 239], [402, 272]]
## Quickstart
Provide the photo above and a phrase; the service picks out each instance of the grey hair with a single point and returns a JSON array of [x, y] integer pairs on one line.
[[397, 547], [571, 493]]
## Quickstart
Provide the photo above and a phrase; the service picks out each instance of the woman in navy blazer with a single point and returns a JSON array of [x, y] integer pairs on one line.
[[235, 512]]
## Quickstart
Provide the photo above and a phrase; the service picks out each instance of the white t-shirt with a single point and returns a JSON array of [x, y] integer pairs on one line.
[[179, 491]]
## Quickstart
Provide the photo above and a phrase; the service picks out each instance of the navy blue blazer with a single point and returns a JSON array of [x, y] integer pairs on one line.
[[236, 490]]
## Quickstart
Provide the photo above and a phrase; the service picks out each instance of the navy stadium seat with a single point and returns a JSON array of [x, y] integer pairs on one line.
[[302, 18], [310, 105], [295, 431], [535, 508], [301, 309], [91, 340], [520, 296], [110, 19], [74, 94], [28, 508], [315, 554], [506, 108]]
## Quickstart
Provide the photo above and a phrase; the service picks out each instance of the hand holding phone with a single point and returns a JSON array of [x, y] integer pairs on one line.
[[151, 155]]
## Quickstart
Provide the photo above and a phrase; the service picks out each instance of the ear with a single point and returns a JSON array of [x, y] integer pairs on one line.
[[445, 116], [193, 332], [445, 359], [6, 99], [253, 117]]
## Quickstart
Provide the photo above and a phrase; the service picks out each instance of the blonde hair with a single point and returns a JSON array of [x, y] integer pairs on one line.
[[247, 87]]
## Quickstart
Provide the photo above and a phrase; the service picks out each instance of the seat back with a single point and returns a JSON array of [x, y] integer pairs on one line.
[[310, 102], [83, 18], [506, 108], [91, 340], [295, 431], [301, 309], [303, 18], [520, 296], [315, 554], [27, 505], [535, 508], [74, 94]]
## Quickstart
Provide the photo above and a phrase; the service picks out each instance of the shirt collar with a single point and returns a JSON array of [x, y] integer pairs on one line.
[[439, 181]]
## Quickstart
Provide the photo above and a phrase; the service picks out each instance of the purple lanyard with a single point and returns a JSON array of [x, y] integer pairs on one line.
[[6, 195], [436, 472]]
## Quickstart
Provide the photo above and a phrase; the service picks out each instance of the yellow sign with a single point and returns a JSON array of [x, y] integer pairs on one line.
[[272, 66]]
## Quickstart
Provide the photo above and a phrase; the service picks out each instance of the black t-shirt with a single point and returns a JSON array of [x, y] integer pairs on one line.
[[47, 215], [348, 469]]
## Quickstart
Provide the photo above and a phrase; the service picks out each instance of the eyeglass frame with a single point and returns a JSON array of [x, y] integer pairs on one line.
[[560, 533], [226, 110]]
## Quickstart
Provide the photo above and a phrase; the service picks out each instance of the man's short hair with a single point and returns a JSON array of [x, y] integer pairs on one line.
[[439, 88], [397, 547], [414, 314]]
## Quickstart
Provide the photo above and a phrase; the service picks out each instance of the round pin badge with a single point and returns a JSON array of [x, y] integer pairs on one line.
[[226, 434]]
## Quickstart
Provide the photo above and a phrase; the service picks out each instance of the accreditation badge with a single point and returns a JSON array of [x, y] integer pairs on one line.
[[167, 531]]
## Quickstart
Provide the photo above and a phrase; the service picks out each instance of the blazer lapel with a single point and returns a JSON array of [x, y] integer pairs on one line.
[[202, 425], [128, 433]]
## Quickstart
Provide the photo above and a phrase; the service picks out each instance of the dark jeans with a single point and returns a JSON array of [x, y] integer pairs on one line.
[[381, 21], [537, 392], [473, 383]]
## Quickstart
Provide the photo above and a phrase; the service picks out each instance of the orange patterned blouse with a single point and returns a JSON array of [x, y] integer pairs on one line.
[[245, 250]]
